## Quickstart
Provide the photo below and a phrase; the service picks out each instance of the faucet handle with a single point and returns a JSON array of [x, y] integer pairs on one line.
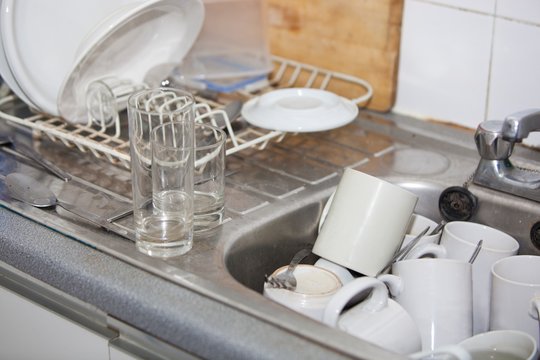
[[490, 142], [517, 126]]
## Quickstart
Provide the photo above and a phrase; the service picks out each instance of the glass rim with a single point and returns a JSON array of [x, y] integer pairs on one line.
[[219, 142], [132, 100], [155, 130]]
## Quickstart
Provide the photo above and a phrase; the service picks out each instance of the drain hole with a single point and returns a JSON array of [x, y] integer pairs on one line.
[[535, 235], [457, 204]]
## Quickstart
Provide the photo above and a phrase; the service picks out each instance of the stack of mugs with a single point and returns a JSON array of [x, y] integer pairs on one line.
[[443, 296]]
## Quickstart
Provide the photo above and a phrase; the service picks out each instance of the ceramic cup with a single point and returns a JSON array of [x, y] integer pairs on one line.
[[460, 240], [315, 287], [515, 294], [437, 293], [356, 233], [417, 224], [342, 273], [501, 344], [376, 319], [450, 352]]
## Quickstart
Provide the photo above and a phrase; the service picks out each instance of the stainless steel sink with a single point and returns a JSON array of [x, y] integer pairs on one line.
[[427, 168], [274, 201]]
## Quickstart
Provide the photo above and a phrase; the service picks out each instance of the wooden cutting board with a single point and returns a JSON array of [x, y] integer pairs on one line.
[[357, 37]]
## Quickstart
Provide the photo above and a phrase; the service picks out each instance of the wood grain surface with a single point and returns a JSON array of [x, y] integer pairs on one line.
[[357, 37]]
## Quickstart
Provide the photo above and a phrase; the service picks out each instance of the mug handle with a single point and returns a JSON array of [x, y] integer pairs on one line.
[[438, 251], [534, 308], [325, 211], [393, 283], [377, 300]]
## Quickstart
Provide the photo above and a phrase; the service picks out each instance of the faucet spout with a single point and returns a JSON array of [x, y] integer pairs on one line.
[[517, 126]]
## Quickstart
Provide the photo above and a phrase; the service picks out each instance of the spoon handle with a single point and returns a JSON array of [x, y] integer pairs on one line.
[[476, 251]]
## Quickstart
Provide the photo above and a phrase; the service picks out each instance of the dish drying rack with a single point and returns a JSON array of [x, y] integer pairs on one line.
[[111, 142]]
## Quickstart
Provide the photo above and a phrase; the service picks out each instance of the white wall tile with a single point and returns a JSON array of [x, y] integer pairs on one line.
[[515, 74], [486, 6], [444, 63], [524, 10]]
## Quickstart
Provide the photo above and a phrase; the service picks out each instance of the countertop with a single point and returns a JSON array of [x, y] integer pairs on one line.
[[99, 279]]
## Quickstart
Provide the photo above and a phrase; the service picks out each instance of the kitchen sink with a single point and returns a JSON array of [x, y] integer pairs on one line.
[[427, 169], [275, 198]]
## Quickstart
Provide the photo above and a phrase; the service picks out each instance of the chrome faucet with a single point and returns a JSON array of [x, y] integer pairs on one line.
[[495, 141]]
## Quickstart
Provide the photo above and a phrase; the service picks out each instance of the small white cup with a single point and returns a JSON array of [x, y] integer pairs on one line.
[[437, 293], [376, 319], [501, 344], [417, 224], [315, 287], [515, 294], [450, 352], [460, 240], [342, 273], [365, 224]]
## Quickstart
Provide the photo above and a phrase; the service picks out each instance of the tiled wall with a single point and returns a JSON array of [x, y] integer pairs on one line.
[[465, 61]]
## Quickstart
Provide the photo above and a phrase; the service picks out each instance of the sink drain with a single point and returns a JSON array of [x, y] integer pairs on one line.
[[535, 235], [457, 203]]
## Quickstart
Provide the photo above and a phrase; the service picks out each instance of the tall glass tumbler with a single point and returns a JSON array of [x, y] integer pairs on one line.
[[209, 177], [161, 133]]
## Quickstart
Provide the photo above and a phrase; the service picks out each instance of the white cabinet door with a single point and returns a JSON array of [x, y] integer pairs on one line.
[[30, 331]]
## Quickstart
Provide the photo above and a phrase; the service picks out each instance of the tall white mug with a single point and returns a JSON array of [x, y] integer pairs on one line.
[[437, 293], [515, 294], [460, 240], [365, 224]]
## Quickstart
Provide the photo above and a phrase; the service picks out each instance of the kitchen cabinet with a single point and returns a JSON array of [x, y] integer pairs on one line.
[[30, 331]]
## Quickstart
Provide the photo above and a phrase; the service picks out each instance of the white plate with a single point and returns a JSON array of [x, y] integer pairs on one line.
[[127, 45], [7, 74], [299, 110], [41, 38], [9, 79]]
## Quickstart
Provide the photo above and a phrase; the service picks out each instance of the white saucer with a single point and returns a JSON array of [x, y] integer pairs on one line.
[[127, 45], [299, 110]]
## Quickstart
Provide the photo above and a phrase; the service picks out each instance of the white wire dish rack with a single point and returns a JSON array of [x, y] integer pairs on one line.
[[112, 143]]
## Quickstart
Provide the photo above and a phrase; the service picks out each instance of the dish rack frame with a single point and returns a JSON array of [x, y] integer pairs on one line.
[[109, 144]]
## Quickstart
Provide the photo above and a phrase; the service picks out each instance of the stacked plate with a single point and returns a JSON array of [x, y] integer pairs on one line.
[[50, 51]]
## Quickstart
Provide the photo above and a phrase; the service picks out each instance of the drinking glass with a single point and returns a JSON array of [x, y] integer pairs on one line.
[[161, 132], [209, 176]]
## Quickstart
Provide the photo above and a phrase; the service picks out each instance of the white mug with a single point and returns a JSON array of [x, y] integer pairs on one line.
[[460, 240], [515, 294], [343, 274], [501, 344], [376, 319], [356, 233], [437, 293], [416, 225], [315, 287]]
